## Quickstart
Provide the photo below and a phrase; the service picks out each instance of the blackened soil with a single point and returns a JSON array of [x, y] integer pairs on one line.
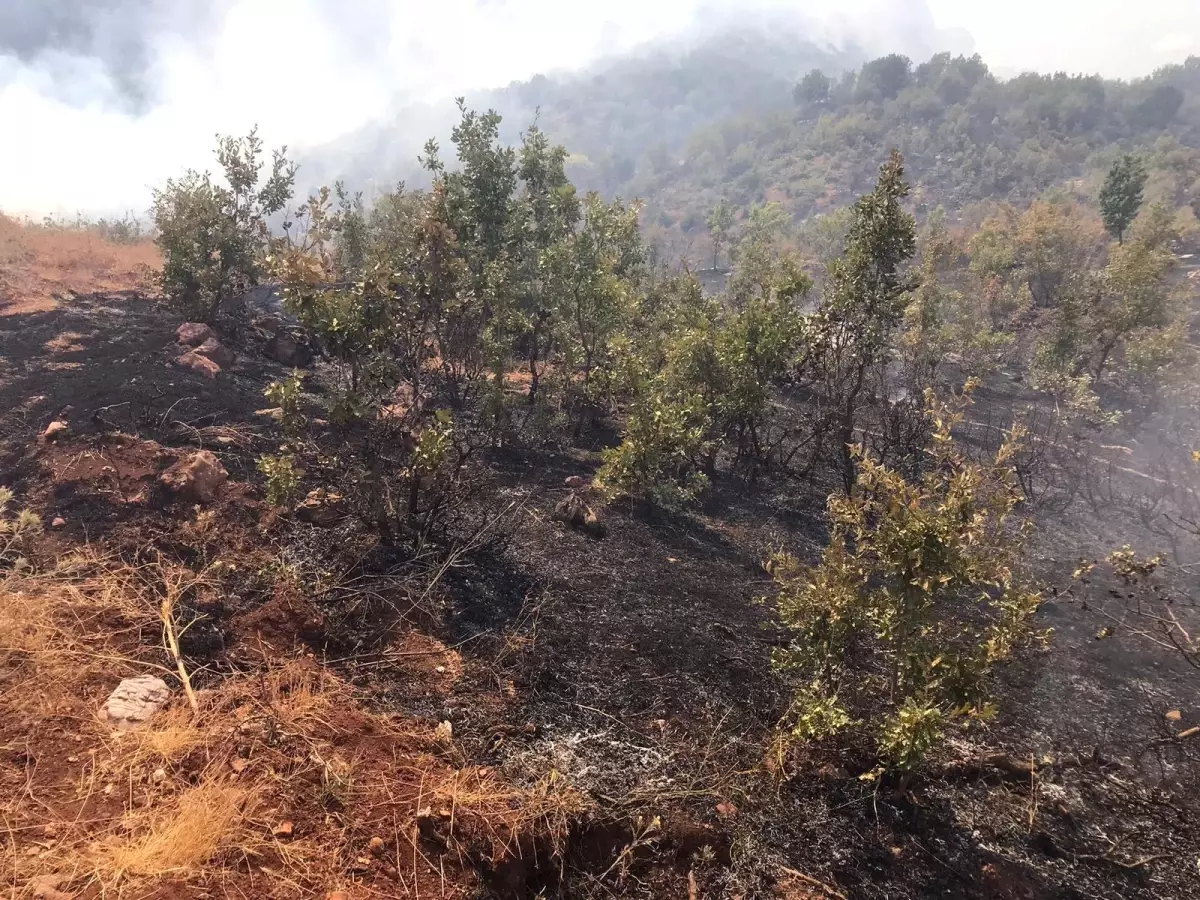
[[637, 666]]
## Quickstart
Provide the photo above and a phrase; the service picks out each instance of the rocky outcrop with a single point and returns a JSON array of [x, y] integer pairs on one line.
[[286, 350], [201, 365], [196, 479], [217, 352], [193, 334]]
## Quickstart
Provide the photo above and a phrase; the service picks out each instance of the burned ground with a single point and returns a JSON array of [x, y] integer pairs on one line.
[[631, 671]]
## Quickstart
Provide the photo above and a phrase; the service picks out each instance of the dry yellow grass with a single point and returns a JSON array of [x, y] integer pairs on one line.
[[183, 835], [39, 262], [195, 797]]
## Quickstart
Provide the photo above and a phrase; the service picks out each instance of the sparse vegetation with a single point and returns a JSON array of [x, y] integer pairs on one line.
[[469, 608]]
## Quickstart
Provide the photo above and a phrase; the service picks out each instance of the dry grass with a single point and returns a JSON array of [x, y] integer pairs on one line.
[[61, 628], [195, 798], [183, 835], [482, 805], [39, 262]]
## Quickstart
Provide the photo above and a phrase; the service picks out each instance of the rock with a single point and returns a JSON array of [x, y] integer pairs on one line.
[[285, 349], [55, 430], [134, 701], [217, 352], [197, 478], [201, 365], [284, 829], [322, 508], [159, 775], [269, 324], [46, 887], [59, 522], [574, 512], [376, 845], [193, 334], [337, 895], [434, 826], [576, 483]]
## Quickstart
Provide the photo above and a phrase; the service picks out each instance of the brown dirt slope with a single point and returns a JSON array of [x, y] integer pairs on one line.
[[40, 263]]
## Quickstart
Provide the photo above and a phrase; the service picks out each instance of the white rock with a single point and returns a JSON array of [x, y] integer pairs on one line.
[[134, 701]]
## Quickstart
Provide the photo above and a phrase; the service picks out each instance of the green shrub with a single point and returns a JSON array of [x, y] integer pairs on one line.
[[917, 597], [214, 236], [283, 478]]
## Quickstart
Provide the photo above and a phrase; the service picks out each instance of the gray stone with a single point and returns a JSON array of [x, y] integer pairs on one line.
[[288, 351], [134, 701]]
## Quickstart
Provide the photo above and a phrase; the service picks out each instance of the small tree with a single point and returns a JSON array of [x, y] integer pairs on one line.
[[214, 237], [915, 600], [813, 89], [1132, 294], [720, 222], [863, 302], [1121, 195]]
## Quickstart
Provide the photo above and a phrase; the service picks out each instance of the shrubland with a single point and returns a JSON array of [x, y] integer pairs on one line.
[[946, 378], [499, 306]]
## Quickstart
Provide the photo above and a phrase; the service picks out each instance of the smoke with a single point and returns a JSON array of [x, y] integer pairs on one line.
[[98, 50], [104, 99]]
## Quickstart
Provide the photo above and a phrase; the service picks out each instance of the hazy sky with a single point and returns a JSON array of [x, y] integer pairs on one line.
[[102, 99]]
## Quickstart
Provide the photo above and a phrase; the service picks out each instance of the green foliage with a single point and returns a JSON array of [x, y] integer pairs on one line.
[[862, 303], [915, 600], [1132, 296], [1121, 195], [720, 222], [942, 323], [663, 434], [1102, 314], [966, 135], [813, 88], [283, 478], [824, 236], [883, 78], [702, 383], [214, 237], [288, 397]]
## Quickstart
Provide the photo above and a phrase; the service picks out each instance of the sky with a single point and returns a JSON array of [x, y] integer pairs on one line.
[[102, 100]]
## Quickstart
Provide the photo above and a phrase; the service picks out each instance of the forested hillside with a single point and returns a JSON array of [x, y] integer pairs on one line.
[[617, 118], [752, 117], [966, 135]]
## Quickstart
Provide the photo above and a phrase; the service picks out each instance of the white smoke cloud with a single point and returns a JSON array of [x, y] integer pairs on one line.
[[103, 99]]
